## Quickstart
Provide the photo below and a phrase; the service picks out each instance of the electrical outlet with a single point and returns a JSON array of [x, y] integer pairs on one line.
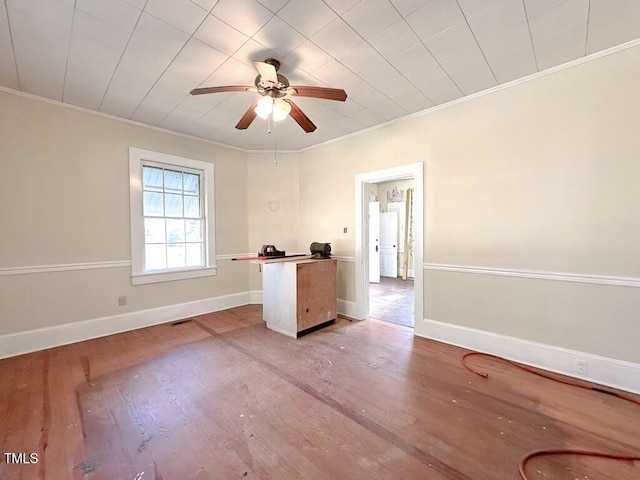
[[122, 301], [344, 230], [581, 366]]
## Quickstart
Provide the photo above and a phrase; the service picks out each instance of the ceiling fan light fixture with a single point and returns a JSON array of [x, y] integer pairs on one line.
[[264, 107], [281, 109], [268, 106]]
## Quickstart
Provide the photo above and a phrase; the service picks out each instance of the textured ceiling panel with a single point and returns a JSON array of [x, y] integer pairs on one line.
[[138, 59]]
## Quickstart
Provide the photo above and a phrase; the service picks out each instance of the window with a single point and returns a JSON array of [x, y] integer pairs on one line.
[[172, 229]]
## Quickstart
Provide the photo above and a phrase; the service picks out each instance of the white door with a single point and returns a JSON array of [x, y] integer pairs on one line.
[[389, 244], [401, 209], [374, 242]]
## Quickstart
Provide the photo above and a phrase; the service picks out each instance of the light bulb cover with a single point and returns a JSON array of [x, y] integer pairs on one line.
[[280, 109], [264, 107]]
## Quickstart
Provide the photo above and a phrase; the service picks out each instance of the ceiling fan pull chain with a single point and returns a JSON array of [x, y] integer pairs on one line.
[[275, 144]]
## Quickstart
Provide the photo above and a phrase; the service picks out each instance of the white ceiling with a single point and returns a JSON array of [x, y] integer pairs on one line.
[[138, 59]]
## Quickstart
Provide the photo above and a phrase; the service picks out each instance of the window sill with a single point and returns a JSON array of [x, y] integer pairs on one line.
[[157, 277]]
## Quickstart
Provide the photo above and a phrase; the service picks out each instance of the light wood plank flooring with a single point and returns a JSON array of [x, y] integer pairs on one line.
[[391, 300], [222, 397]]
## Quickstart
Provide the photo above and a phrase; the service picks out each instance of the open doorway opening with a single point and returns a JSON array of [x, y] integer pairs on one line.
[[366, 242], [391, 259]]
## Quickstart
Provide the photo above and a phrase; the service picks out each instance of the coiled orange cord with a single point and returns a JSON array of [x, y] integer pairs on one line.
[[540, 453], [586, 453]]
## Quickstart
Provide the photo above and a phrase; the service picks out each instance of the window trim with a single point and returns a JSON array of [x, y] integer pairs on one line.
[[138, 276]]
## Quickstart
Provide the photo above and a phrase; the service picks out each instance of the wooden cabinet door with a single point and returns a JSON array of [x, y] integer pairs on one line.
[[317, 298]]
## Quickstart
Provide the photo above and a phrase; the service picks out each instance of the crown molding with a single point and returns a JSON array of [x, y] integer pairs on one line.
[[489, 91], [108, 116]]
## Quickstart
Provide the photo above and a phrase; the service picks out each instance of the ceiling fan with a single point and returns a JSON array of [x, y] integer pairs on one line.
[[275, 90]]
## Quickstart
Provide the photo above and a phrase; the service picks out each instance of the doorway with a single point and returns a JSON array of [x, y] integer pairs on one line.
[[363, 182], [391, 262], [391, 300]]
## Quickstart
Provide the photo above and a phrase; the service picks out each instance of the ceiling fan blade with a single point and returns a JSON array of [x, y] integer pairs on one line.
[[230, 88], [248, 117], [267, 72], [299, 116], [321, 92]]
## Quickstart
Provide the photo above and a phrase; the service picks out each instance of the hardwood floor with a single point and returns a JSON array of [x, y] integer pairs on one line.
[[391, 300], [221, 396]]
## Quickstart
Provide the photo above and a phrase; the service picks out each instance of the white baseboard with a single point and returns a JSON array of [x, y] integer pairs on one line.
[[601, 370], [43, 338], [410, 273], [34, 340], [255, 297], [347, 308]]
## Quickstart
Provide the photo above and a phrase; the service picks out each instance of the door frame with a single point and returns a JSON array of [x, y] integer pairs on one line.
[[413, 171]]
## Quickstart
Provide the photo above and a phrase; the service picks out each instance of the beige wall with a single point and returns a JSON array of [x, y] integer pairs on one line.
[[274, 213], [541, 176], [598, 319], [327, 181], [64, 199]]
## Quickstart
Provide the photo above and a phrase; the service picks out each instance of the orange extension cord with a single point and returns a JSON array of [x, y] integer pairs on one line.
[[540, 453], [587, 453]]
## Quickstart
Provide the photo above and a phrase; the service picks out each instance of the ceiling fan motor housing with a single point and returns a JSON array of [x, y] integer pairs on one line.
[[275, 63], [266, 87]]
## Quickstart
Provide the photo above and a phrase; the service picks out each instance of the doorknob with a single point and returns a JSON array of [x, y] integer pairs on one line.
[[376, 248]]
